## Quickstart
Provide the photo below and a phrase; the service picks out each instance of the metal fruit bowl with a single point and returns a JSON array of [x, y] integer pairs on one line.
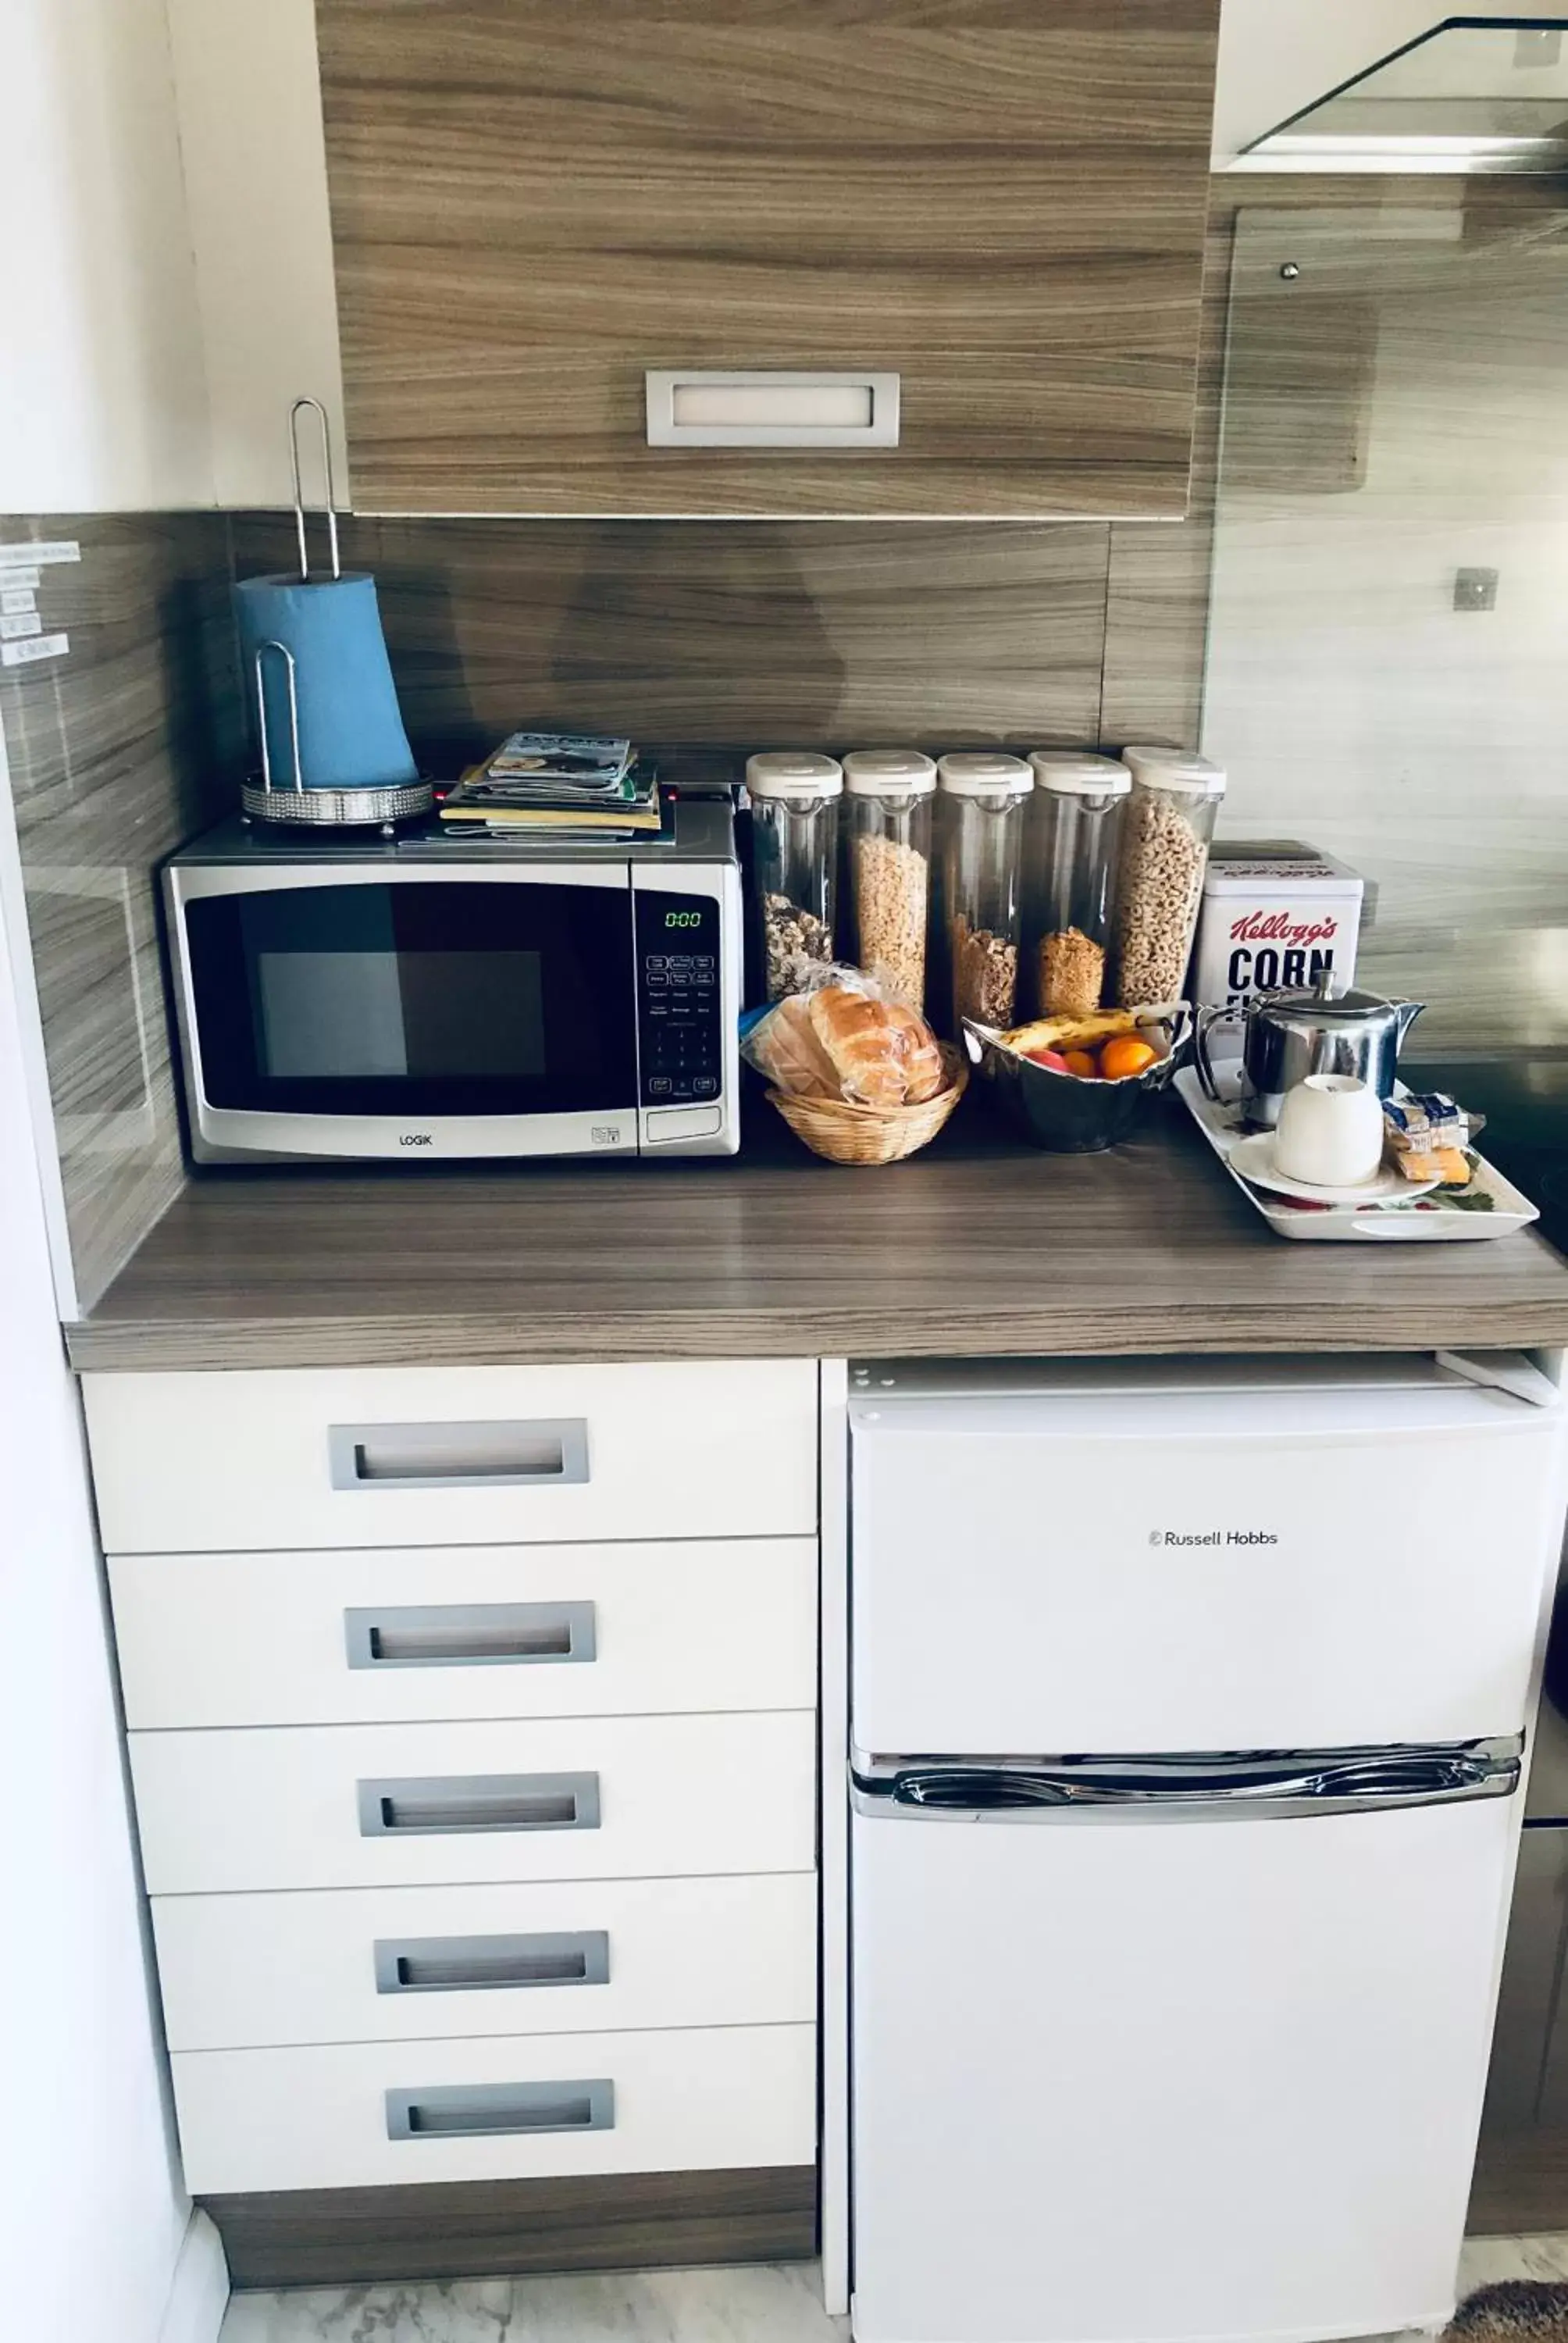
[[1074, 1114]]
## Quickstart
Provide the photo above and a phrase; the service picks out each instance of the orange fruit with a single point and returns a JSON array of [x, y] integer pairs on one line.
[[1080, 1061], [1124, 1056]]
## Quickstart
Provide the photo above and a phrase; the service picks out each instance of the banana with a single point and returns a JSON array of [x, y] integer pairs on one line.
[[1071, 1033]]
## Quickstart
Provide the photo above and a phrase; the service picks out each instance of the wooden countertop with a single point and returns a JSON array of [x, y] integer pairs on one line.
[[980, 1245]]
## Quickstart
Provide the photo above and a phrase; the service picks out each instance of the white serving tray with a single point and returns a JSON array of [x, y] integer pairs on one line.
[[1435, 1217]]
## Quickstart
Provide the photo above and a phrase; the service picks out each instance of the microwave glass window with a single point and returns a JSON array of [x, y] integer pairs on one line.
[[432, 1014], [418, 998]]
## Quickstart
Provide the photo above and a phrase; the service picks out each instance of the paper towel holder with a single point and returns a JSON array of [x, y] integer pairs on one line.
[[292, 801], [328, 481], [277, 800]]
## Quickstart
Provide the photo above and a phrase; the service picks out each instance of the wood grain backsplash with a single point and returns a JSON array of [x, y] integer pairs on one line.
[[752, 633]]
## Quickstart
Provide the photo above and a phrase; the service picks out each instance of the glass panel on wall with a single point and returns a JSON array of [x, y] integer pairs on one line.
[[1387, 672], [1468, 96]]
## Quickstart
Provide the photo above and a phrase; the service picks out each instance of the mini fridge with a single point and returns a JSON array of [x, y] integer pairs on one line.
[[1188, 1722]]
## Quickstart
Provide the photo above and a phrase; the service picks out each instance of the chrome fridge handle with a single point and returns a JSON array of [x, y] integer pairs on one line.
[[1235, 1785]]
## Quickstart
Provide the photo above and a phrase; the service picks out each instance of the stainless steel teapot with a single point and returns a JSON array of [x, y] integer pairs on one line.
[[1308, 1030]]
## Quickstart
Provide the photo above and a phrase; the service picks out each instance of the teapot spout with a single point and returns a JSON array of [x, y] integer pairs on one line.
[[1407, 1011]]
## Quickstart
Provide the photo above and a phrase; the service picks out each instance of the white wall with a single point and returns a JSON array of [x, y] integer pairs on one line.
[[93, 2221], [102, 399], [256, 173], [1278, 56]]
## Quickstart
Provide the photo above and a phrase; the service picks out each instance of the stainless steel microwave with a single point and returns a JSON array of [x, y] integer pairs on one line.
[[440, 996]]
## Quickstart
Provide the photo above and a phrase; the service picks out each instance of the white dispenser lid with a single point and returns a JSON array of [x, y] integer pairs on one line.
[[1080, 773], [793, 773], [1165, 767], [888, 773], [982, 773]]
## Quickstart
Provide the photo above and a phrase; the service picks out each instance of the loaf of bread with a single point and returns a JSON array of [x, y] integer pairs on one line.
[[786, 1052], [882, 1051]]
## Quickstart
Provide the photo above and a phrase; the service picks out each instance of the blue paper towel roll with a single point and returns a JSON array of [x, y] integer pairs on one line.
[[351, 734]]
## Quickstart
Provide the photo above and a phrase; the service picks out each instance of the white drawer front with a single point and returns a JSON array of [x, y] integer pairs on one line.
[[364, 1634], [674, 2101], [370, 1805], [373, 1456], [403, 1964]]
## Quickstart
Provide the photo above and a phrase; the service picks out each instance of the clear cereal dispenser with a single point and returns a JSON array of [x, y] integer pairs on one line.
[[1169, 821], [888, 816], [1072, 835], [985, 794], [795, 799]]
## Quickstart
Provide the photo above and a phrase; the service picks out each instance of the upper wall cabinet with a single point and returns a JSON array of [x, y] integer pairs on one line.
[[1000, 203]]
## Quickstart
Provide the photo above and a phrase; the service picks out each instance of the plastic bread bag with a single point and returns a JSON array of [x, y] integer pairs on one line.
[[847, 1037]]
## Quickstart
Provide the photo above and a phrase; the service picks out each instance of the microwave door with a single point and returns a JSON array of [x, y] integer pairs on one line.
[[339, 1012]]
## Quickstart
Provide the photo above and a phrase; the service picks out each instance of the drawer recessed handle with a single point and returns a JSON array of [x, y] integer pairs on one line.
[[458, 1803], [476, 1635], [548, 1453], [460, 2111], [486, 1964]]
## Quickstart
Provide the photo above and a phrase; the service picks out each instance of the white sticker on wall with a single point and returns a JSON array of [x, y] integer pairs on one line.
[[19, 622], [42, 647], [21, 580], [17, 598], [31, 557]]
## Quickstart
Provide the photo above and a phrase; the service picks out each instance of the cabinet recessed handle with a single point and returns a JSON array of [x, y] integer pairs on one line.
[[476, 1635], [770, 407], [488, 1964], [548, 1453], [450, 1803], [458, 2111]]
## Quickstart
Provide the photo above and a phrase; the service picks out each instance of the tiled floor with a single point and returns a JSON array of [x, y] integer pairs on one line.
[[1486, 2259], [775, 2304], [765, 2305]]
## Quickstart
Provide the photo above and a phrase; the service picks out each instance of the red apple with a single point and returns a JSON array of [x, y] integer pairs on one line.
[[1051, 1057]]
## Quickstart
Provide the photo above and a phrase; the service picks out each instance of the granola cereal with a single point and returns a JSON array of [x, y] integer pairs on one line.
[[793, 938], [890, 888], [1070, 972], [985, 974]]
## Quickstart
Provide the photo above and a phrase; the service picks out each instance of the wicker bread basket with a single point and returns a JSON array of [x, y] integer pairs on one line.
[[845, 1133]]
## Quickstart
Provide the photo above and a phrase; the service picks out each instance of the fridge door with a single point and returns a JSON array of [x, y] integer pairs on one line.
[[1260, 1555], [1155, 2085]]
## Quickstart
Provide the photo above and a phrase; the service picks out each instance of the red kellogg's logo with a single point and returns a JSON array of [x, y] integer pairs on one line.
[[1279, 927]]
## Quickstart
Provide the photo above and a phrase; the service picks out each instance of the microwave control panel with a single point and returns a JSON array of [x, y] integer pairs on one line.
[[679, 998]]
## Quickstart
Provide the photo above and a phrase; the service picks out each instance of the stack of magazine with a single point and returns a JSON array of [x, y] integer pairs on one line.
[[563, 785]]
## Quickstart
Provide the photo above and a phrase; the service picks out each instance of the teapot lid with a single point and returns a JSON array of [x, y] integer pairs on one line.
[[1322, 1000]]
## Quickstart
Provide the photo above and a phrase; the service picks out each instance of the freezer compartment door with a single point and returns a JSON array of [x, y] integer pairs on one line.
[[1145, 2085], [1278, 1568]]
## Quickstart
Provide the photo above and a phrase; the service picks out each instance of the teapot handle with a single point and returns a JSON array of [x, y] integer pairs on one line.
[[1203, 1021]]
